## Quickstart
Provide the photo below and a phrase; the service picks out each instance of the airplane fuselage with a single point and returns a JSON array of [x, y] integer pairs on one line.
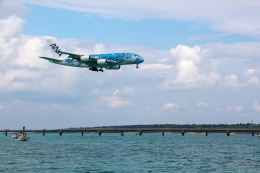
[[120, 58]]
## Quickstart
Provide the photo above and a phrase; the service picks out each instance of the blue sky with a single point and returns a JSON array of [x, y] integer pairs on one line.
[[157, 33], [201, 63]]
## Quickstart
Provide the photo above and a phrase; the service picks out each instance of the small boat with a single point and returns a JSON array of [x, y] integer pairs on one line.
[[258, 135], [21, 137]]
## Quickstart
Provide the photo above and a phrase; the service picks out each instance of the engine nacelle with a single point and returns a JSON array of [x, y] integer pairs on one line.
[[114, 67], [102, 62], [85, 58]]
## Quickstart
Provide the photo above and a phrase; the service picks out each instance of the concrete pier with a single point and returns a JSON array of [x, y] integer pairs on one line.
[[137, 131]]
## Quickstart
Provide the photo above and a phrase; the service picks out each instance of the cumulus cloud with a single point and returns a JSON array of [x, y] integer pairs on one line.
[[235, 108], [114, 101], [202, 104], [167, 106], [232, 81], [170, 106], [257, 106], [187, 73], [238, 17]]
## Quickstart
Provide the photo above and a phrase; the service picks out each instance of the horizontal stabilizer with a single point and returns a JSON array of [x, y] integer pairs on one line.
[[51, 59]]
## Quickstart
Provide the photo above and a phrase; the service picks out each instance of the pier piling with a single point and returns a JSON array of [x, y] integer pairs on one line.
[[206, 133], [43, 133], [5, 133], [228, 133], [140, 133], [99, 133], [253, 133], [81, 133], [163, 133], [122, 133], [182, 133], [60, 133]]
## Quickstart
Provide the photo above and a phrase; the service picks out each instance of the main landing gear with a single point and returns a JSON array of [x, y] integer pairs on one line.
[[95, 69]]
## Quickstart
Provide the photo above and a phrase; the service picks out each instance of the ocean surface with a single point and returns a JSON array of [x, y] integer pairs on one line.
[[110, 152]]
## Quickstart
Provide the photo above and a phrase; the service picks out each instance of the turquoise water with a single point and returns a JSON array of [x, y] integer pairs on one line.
[[131, 153]]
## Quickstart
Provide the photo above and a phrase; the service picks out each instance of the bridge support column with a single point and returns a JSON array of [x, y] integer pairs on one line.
[[253, 133], [206, 133], [228, 133], [81, 133], [122, 133], [60, 133], [182, 133], [140, 133], [163, 133], [99, 133]]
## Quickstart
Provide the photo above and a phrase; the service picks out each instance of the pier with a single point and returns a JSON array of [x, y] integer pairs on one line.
[[139, 131]]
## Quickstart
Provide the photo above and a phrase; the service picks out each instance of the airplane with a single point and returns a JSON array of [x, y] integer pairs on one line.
[[95, 62]]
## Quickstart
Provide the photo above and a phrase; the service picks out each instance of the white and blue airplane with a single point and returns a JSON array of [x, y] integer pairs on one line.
[[95, 62]]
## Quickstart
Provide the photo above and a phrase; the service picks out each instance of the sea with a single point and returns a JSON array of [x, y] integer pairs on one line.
[[150, 152]]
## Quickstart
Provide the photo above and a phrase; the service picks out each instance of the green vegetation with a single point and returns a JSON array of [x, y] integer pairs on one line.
[[190, 126]]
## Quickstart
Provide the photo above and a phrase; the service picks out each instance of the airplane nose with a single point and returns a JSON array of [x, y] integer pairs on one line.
[[141, 60]]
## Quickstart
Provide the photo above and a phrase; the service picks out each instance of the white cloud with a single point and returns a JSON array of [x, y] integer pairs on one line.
[[11, 28], [115, 92], [202, 104], [2, 107], [232, 81], [170, 106], [238, 17], [235, 108], [9, 7], [187, 73], [257, 106], [18, 102], [114, 101]]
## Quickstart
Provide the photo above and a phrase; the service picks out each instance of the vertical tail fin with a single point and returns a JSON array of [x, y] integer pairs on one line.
[[54, 48]]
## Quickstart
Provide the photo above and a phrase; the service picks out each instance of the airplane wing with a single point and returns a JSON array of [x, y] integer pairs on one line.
[[78, 56], [72, 55], [50, 59]]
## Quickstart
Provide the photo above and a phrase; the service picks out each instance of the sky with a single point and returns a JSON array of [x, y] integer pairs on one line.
[[201, 63]]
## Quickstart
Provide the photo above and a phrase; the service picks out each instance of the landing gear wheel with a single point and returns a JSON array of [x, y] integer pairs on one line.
[[137, 66]]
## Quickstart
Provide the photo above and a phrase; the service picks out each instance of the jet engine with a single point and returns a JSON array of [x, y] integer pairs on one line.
[[114, 67], [85, 58], [102, 62]]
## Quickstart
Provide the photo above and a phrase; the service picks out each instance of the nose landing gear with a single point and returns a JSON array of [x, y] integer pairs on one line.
[[137, 66]]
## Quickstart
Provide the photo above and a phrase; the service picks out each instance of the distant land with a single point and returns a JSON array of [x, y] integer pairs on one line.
[[183, 126]]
